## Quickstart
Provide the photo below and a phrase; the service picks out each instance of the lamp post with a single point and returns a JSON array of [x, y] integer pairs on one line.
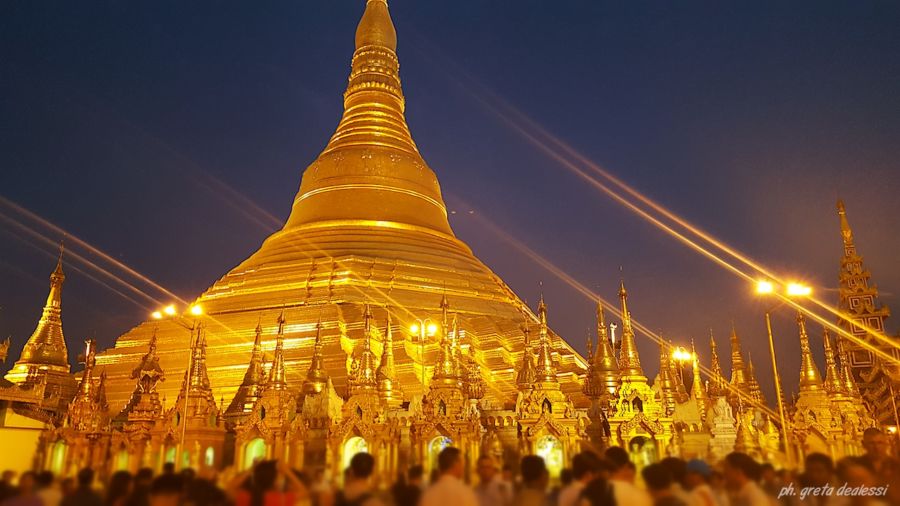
[[423, 328], [196, 311], [792, 290], [682, 356]]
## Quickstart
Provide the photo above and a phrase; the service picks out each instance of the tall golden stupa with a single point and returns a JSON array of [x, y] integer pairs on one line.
[[368, 227]]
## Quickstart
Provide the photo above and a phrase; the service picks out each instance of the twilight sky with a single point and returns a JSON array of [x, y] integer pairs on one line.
[[122, 124]]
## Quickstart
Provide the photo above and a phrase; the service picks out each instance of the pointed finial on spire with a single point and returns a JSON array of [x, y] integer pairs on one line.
[[629, 361], [526, 375], [277, 376], [546, 371], [833, 381], [316, 377], [846, 231], [810, 378], [376, 27]]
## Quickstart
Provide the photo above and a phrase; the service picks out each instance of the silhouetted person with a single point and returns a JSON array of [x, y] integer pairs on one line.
[[140, 491], [26, 493], [534, 482], [49, 494], [449, 487], [84, 494], [622, 478], [409, 491], [119, 488], [261, 487], [492, 489], [659, 481], [696, 483], [584, 470], [166, 490], [741, 475], [358, 490]]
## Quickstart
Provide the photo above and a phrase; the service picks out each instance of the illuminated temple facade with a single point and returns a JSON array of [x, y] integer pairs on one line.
[[364, 324]]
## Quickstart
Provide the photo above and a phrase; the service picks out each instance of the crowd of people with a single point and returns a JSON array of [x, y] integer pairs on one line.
[[610, 479]]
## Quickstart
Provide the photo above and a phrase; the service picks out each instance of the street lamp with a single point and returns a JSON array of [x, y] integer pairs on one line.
[[764, 287], [423, 328], [195, 310]]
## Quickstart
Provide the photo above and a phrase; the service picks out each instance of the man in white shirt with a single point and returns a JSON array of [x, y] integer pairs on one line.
[[449, 489], [584, 469], [622, 479], [491, 489], [741, 473]]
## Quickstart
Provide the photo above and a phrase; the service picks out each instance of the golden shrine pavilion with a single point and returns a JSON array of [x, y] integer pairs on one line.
[[365, 324]]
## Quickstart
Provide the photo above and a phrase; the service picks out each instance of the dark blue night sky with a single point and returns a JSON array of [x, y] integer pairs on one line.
[[123, 124]]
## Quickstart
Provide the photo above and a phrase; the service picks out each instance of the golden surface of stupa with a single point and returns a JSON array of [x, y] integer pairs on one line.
[[368, 226]]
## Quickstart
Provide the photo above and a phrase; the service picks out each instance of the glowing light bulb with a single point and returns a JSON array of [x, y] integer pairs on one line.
[[169, 310], [196, 310], [414, 328], [157, 315], [432, 328], [798, 290], [764, 287]]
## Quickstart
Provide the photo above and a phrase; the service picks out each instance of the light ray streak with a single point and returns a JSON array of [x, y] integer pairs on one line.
[[87, 246], [73, 255], [483, 91]]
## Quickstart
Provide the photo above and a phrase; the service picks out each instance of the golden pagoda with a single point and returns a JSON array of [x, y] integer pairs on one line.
[[639, 422], [368, 226], [45, 358], [859, 303], [739, 384], [814, 426]]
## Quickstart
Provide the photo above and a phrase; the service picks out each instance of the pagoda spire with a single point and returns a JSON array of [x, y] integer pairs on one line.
[[667, 389], [834, 384], [810, 378], [316, 377], [859, 301], [591, 387], [447, 370], [526, 375], [362, 376], [629, 360], [277, 376], [698, 392], [45, 351], [738, 373], [253, 382], [850, 385], [88, 410], [386, 375], [606, 367], [546, 372], [717, 382], [752, 383]]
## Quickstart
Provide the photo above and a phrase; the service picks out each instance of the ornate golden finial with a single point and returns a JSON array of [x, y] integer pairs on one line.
[[833, 381], [316, 377], [846, 231], [592, 387], [717, 382], [376, 28], [526, 375], [362, 374], [277, 377], [698, 392], [810, 378], [666, 385], [545, 368], [389, 391], [629, 360], [86, 386], [445, 312]]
